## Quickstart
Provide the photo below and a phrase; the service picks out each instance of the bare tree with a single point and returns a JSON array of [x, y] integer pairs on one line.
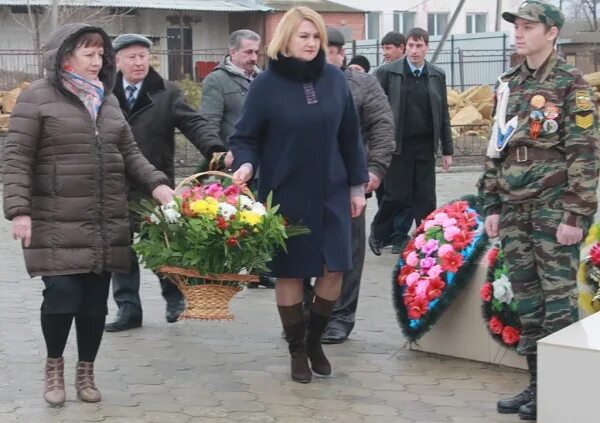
[[586, 10]]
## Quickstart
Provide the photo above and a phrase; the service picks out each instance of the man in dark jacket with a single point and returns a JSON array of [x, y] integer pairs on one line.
[[377, 129], [153, 108], [224, 91], [422, 127]]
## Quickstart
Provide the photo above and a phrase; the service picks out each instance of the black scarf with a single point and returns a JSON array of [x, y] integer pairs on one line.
[[298, 70]]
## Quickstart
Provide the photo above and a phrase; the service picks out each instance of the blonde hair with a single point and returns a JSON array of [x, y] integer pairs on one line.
[[288, 25]]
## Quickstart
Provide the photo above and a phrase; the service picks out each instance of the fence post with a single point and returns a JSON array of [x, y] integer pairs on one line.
[[452, 61], [353, 48], [503, 52], [377, 51], [461, 69]]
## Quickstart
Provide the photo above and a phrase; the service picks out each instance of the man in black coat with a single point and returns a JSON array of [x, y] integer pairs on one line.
[[422, 127], [154, 108]]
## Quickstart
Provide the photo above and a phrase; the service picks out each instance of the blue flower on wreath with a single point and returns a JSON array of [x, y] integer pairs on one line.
[[432, 304], [414, 324]]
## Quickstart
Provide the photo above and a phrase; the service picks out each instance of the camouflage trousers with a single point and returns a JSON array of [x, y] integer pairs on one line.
[[542, 271]]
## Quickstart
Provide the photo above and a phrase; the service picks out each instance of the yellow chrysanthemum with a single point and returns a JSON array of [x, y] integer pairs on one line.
[[250, 217], [593, 234], [204, 207]]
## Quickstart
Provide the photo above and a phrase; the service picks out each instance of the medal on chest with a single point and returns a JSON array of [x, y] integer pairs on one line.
[[542, 118]]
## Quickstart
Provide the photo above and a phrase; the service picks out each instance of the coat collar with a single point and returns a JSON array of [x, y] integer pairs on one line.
[[541, 73], [401, 67], [153, 83]]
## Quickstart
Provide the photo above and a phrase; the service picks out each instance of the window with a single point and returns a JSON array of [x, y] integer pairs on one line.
[[373, 25], [437, 23], [476, 22], [404, 21]]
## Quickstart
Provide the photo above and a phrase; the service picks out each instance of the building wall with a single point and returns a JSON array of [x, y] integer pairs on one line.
[[422, 8], [355, 22]]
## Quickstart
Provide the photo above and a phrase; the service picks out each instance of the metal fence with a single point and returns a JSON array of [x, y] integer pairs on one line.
[[17, 66]]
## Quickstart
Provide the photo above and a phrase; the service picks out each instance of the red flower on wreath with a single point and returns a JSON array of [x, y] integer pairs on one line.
[[495, 325], [451, 262], [510, 335], [462, 240], [486, 292], [404, 272], [492, 255], [417, 308], [595, 254], [436, 285]]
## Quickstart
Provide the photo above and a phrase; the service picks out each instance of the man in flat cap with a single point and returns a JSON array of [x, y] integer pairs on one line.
[[377, 129], [540, 183], [154, 108]]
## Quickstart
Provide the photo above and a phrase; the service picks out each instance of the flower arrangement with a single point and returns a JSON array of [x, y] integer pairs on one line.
[[435, 264], [214, 229], [499, 306], [588, 275]]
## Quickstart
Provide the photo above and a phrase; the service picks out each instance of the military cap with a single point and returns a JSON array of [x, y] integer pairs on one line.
[[335, 37], [126, 40], [537, 11]]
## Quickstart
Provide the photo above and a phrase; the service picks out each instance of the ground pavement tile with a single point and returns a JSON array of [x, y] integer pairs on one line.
[[436, 400], [186, 370]]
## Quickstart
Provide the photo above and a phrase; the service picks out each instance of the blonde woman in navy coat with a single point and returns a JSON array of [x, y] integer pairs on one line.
[[299, 126]]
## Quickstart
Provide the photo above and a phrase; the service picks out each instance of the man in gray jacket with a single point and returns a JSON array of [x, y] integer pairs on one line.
[[377, 129], [224, 91]]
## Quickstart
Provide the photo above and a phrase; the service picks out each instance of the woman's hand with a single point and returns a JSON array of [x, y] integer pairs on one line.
[[163, 194], [243, 174], [21, 229], [357, 204]]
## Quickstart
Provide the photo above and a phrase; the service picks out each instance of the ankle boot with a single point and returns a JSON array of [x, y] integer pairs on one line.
[[84, 383], [292, 319], [514, 404], [320, 310], [54, 385], [529, 411]]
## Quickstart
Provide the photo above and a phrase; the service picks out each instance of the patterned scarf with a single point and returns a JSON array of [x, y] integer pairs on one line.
[[91, 93]]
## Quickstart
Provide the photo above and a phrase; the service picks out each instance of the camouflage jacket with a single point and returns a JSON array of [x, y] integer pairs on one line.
[[570, 181]]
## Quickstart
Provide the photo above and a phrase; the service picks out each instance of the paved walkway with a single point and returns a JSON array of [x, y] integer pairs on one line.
[[238, 371]]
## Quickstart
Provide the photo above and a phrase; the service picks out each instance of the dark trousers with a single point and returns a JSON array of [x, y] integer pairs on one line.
[[410, 184], [126, 290], [344, 312], [402, 222]]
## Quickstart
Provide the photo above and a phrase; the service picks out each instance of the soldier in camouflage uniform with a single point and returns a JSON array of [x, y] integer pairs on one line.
[[540, 190]]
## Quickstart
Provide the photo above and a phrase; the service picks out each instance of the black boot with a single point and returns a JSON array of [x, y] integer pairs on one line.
[[320, 310], [529, 411], [127, 318], [292, 319], [514, 404]]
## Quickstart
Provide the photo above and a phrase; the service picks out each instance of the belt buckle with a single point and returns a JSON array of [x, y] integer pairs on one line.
[[521, 154]]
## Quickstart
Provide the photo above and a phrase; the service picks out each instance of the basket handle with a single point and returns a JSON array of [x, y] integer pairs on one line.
[[244, 188]]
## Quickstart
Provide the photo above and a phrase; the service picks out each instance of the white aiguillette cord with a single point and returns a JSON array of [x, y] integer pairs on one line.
[[502, 131]]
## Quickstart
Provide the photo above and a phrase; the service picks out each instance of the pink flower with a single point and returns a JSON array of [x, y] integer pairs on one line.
[[422, 288], [445, 249], [420, 241], [427, 263], [449, 222], [412, 259], [440, 217], [413, 278], [429, 224], [450, 232], [198, 191], [232, 191], [430, 247], [186, 193], [435, 271], [214, 190]]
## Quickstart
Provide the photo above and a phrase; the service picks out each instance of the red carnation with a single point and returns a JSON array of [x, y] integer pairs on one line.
[[221, 222], [492, 255], [436, 286], [462, 240], [404, 272], [243, 233], [451, 262], [232, 241], [510, 335], [595, 254], [410, 246], [495, 325], [486, 292], [417, 308]]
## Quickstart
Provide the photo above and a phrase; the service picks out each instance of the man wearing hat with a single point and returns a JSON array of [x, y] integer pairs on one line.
[[154, 108], [540, 183], [377, 128]]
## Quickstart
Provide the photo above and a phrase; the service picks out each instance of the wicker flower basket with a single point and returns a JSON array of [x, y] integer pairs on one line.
[[208, 301]]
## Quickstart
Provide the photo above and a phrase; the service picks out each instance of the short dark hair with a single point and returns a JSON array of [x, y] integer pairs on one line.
[[89, 39], [395, 38], [418, 34]]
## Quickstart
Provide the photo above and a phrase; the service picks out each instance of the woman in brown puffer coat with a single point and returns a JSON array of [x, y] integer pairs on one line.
[[68, 152]]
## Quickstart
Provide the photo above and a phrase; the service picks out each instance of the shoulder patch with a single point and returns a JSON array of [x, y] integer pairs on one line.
[[583, 100]]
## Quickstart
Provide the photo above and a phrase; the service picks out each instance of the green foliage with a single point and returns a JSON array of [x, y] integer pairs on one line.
[[191, 91]]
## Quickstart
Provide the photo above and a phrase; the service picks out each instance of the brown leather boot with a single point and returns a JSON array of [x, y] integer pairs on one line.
[[320, 310], [84, 383], [292, 319], [54, 385]]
